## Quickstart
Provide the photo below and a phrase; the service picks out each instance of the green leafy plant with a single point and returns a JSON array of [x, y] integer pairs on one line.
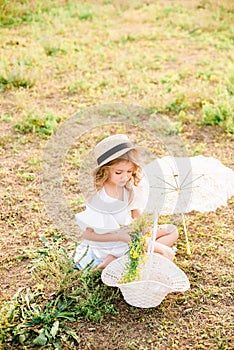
[[219, 113], [26, 321], [38, 124], [180, 103], [85, 15]]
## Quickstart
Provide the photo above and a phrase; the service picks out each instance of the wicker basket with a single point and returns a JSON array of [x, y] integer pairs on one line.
[[159, 276]]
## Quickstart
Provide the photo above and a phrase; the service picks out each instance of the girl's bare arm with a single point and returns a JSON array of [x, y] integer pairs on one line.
[[117, 236]]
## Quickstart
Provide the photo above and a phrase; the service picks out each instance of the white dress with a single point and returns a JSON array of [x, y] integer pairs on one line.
[[105, 214]]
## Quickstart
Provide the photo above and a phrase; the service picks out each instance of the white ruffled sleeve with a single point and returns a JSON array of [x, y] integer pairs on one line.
[[99, 222]]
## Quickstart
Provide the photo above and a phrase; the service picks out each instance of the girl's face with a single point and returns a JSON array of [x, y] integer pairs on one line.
[[120, 173]]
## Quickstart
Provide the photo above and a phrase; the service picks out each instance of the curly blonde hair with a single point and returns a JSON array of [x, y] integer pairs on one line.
[[102, 174]]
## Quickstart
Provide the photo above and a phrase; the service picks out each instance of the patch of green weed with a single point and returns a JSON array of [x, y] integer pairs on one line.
[[85, 15], [6, 117], [230, 83], [178, 104], [51, 50], [17, 76], [79, 86], [38, 124], [219, 112], [17, 12]]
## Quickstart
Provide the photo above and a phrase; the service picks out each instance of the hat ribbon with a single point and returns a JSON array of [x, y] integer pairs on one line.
[[112, 151]]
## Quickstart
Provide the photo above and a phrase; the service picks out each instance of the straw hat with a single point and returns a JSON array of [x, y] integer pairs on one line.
[[112, 147]]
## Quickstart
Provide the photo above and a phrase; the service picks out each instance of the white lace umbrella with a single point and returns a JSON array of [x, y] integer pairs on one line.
[[180, 185]]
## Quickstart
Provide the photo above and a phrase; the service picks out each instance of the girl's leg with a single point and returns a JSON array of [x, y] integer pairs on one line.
[[164, 250], [167, 234], [106, 261]]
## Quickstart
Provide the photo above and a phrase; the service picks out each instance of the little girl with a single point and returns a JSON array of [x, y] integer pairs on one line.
[[119, 199]]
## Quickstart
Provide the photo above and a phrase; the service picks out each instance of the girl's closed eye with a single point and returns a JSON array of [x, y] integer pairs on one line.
[[119, 172]]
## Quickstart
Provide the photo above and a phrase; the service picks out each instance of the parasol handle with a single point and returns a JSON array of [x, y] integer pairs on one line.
[[151, 250], [154, 231], [186, 235]]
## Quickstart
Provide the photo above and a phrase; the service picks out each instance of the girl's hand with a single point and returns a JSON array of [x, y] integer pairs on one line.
[[124, 235], [87, 233]]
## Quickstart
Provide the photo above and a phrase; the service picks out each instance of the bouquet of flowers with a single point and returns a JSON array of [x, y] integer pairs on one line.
[[140, 232]]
